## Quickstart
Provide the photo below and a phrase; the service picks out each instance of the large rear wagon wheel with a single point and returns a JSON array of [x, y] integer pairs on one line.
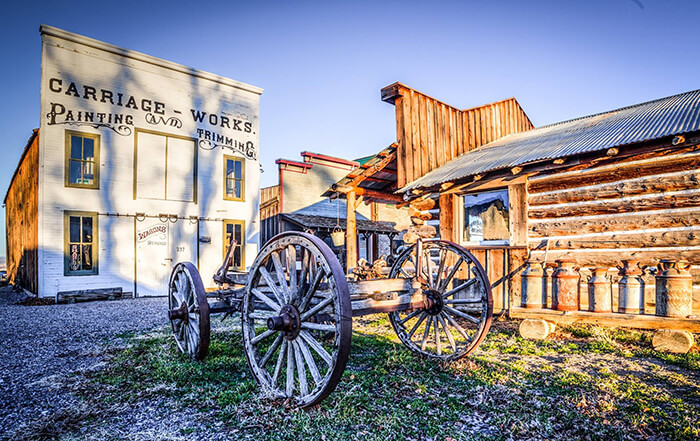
[[459, 294], [188, 311], [297, 319]]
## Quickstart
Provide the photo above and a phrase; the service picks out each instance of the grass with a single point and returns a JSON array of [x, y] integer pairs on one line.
[[586, 382]]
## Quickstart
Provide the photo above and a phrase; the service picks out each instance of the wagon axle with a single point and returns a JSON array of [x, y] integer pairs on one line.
[[179, 313]]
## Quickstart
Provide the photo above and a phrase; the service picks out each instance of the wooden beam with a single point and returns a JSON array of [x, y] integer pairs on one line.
[[446, 202], [638, 321], [351, 232]]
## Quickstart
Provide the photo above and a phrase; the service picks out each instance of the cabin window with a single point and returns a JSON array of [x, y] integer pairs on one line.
[[165, 167], [234, 229], [485, 218], [233, 178], [82, 160], [80, 230]]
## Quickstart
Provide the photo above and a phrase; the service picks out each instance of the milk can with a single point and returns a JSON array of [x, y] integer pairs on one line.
[[565, 281], [631, 287], [531, 280], [599, 292], [674, 289]]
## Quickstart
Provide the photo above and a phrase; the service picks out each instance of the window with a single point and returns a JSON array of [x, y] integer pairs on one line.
[[82, 160], [485, 217], [165, 167], [234, 189], [81, 246], [235, 230]]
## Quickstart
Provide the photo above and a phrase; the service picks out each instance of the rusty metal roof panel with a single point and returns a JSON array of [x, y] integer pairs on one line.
[[668, 116]]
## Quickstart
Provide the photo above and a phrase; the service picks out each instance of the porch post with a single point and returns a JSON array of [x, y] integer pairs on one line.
[[351, 231]]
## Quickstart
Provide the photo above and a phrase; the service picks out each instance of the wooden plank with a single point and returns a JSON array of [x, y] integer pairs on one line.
[[422, 164], [678, 199], [369, 287], [413, 152], [685, 236], [611, 258], [86, 295], [403, 302], [447, 218], [637, 321], [495, 270], [402, 114], [517, 195], [684, 180], [673, 218], [627, 169]]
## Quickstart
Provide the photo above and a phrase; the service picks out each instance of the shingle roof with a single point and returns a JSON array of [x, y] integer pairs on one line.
[[656, 119]]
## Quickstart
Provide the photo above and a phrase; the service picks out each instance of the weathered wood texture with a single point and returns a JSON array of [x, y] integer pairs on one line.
[[21, 206], [608, 319], [447, 220], [269, 212], [87, 295], [430, 132], [641, 209]]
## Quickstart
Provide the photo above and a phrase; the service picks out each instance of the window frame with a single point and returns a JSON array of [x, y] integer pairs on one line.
[[460, 219], [242, 161], [195, 170], [242, 245], [66, 243], [66, 171]]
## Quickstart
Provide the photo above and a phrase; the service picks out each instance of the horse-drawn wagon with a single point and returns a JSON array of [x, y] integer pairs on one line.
[[296, 307]]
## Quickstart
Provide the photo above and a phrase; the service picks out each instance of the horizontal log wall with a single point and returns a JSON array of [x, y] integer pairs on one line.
[[643, 210], [431, 133]]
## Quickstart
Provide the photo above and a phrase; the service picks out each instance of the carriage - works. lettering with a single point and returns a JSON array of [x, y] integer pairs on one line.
[[222, 121]]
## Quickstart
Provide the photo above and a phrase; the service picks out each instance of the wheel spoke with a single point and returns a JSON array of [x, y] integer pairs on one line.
[[441, 267], [262, 336], [452, 273], [317, 327], [322, 304], [415, 327], [303, 274], [463, 315], [316, 346], [320, 272], [450, 338], [438, 343], [464, 285], [290, 370], [281, 278], [457, 326], [268, 301], [309, 361], [278, 365], [429, 268], [410, 316], [276, 344], [292, 269], [425, 334], [301, 371], [271, 283]]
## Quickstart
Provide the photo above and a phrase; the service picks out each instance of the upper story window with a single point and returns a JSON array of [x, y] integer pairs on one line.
[[234, 184], [165, 167], [80, 236], [82, 160], [485, 218]]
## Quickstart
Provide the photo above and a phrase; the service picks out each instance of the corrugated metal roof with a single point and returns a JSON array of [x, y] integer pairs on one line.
[[668, 116]]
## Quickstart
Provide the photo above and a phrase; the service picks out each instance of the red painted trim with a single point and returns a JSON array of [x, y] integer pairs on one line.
[[304, 165], [330, 159]]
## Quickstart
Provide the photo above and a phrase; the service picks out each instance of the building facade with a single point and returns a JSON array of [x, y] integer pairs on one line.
[[139, 163]]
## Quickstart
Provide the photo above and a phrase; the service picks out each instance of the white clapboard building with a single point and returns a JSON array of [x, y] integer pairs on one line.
[[138, 163]]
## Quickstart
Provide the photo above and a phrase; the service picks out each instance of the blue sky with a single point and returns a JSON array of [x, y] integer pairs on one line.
[[322, 64]]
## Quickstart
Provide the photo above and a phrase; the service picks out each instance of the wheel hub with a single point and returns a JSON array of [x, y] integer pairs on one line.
[[179, 313], [288, 322], [433, 302]]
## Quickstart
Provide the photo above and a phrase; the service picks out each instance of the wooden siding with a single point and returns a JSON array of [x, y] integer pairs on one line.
[[21, 205], [643, 210], [431, 133], [269, 211]]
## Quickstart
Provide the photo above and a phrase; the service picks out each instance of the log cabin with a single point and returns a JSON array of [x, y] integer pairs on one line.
[[617, 185], [138, 163]]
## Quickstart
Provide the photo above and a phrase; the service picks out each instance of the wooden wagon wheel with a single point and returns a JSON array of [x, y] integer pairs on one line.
[[297, 319], [189, 311], [459, 297]]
